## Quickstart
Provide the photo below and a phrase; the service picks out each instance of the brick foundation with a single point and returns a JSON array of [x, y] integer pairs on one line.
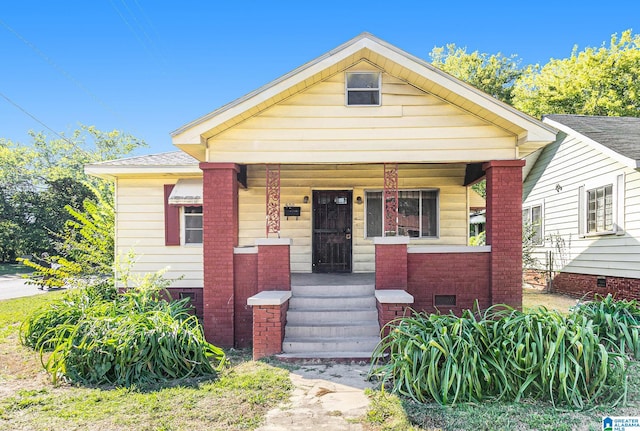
[[504, 230], [465, 275], [584, 285], [194, 293]]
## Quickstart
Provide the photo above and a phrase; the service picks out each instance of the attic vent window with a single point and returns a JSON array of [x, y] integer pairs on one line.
[[363, 89]]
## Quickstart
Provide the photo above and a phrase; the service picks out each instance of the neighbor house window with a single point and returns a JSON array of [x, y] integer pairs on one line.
[[192, 224], [363, 88], [600, 209], [532, 220], [417, 213]]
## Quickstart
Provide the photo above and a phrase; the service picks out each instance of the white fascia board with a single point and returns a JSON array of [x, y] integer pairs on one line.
[[111, 172], [537, 131], [627, 161], [190, 133]]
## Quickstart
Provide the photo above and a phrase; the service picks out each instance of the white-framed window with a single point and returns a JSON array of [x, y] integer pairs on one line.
[[601, 206], [363, 88], [600, 209], [418, 213], [192, 224], [532, 217]]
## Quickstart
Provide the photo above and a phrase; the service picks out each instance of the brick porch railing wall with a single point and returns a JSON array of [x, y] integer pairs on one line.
[[220, 236], [504, 230], [274, 264], [465, 275], [584, 285]]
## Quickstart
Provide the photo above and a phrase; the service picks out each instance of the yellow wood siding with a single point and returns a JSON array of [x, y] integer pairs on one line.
[[315, 126], [140, 227], [298, 181]]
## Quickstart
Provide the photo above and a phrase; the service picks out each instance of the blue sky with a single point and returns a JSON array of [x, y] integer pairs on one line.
[[150, 66]]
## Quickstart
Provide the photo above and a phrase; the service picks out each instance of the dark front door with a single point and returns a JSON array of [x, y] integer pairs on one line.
[[332, 231]]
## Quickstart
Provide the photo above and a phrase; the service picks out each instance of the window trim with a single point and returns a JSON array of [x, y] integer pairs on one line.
[[617, 183], [347, 89], [412, 238], [183, 226], [529, 208]]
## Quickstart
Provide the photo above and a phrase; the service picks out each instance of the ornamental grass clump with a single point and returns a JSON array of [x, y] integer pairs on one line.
[[137, 338], [617, 323], [503, 354]]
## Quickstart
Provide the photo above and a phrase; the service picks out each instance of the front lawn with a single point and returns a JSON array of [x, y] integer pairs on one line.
[[237, 400]]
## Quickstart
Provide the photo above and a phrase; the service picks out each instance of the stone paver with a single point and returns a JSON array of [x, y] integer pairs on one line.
[[326, 397]]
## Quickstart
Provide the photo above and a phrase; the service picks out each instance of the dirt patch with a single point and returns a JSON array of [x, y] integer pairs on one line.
[[532, 298]]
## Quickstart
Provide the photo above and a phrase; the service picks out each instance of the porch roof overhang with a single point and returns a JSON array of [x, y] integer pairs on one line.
[[171, 164], [530, 134]]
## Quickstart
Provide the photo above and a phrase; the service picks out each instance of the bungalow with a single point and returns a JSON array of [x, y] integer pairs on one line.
[[582, 195], [318, 207]]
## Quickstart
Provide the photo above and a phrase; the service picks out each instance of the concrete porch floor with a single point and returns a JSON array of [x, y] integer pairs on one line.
[[332, 279]]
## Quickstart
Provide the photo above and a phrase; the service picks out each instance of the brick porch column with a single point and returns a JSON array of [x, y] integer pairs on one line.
[[220, 236], [504, 230], [391, 262]]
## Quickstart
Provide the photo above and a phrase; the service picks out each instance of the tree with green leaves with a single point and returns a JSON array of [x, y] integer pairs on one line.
[[595, 81], [38, 180], [494, 74], [84, 248]]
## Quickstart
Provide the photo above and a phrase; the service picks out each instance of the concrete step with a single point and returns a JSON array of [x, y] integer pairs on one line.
[[330, 345], [332, 303], [331, 330], [315, 357], [336, 317], [335, 291]]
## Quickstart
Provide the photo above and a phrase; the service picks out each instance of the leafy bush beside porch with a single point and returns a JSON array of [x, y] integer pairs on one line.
[[574, 361]]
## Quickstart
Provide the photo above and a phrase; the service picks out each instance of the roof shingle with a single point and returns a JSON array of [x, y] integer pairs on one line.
[[620, 134]]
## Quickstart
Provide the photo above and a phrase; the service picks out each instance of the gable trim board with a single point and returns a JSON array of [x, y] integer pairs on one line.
[[529, 133]]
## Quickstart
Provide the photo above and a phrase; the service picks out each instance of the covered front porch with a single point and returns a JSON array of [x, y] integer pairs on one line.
[[260, 282]]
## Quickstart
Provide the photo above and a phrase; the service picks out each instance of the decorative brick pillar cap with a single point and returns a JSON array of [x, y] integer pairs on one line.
[[270, 297], [503, 163], [393, 296], [391, 240]]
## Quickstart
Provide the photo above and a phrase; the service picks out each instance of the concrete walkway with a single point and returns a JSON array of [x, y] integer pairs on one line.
[[325, 397]]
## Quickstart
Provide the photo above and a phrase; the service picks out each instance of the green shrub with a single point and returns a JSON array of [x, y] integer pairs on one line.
[[617, 322], [502, 354], [135, 338]]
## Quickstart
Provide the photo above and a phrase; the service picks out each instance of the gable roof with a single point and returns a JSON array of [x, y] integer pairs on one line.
[[174, 162], [531, 134], [619, 137]]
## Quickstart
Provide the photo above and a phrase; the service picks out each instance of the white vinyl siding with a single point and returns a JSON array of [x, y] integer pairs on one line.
[[140, 228], [572, 168]]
